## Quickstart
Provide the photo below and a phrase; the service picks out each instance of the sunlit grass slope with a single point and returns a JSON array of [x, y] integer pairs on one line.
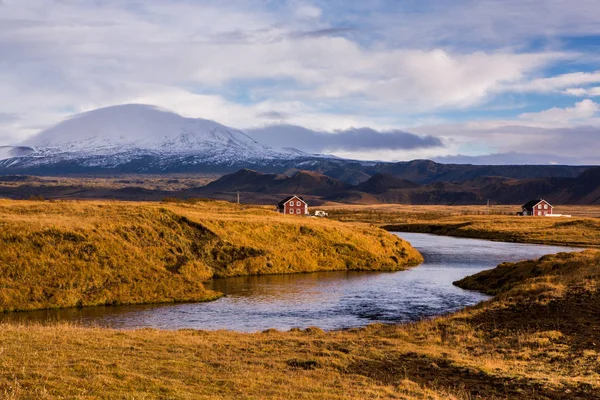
[[551, 276], [536, 340], [62, 254]]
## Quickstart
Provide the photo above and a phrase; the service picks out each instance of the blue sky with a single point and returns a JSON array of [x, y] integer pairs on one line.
[[503, 80]]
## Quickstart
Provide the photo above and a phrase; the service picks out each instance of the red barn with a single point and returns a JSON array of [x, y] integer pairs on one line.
[[293, 205], [538, 208]]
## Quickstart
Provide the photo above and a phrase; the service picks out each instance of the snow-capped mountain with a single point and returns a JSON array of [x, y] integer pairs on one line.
[[142, 137]]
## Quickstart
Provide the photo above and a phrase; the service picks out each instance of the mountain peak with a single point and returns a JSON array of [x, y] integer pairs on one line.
[[143, 136], [137, 126]]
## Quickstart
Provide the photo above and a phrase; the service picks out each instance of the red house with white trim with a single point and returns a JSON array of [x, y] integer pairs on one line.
[[293, 205], [537, 208]]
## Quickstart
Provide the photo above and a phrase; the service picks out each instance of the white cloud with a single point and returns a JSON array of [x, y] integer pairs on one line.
[[307, 11], [557, 133], [69, 56], [583, 92], [580, 113], [322, 65], [557, 83], [511, 23], [583, 113], [246, 116], [423, 81]]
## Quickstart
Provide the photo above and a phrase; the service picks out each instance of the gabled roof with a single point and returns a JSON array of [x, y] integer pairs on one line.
[[530, 204], [282, 202]]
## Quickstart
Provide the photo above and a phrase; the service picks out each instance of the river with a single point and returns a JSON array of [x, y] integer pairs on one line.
[[329, 300]]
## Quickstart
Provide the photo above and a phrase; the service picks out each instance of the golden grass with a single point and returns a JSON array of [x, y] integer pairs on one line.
[[580, 232], [517, 346], [578, 211], [64, 254], [473, 222], [84, 363], [553, 272], [171, 182], [537, 339]]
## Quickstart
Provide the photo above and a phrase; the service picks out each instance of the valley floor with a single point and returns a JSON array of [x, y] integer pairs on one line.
[[536, 339]]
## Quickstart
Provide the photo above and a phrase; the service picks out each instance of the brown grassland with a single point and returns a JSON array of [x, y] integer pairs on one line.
[[69, 253], [479, 222], [173, 182], [537, 338], [589, 211]]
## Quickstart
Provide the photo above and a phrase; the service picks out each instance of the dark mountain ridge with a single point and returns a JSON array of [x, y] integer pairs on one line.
[[386, 188], [268, 188], [301, 182], [348, 171], [382, 182], [427, 171]]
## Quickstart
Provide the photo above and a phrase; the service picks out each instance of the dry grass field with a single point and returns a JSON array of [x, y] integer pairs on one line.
[[173, 182], [497, 223], [537, 339], [445, 210], [70, 253]]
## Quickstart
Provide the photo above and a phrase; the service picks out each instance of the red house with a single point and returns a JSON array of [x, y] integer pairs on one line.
[[538, 208], [293, 205]]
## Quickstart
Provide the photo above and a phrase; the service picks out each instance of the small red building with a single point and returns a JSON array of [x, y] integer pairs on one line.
[[293, 205], [538, 208]]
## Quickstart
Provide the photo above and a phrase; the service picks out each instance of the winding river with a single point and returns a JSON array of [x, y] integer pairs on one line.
[[329, 300]]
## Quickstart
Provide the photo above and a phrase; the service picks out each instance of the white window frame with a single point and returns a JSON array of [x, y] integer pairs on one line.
[[291, 210], [297, 211]]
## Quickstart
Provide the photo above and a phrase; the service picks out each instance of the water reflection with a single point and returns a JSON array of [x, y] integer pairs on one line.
[[330, 300]]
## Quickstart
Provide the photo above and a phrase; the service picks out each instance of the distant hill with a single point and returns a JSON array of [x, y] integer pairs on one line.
[[301, 182], [382, 182], [586, 188], [307, 182], [245, 180], [387, 188], [427, 171], [268, 188]]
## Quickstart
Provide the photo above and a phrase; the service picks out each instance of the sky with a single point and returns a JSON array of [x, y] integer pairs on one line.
[[478, 81]]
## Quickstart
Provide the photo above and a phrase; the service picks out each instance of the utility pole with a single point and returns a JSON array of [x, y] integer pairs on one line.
[[238, 197]]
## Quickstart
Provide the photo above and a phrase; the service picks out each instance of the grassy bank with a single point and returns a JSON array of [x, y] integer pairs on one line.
[[537, 339], [474, 222], [64, 254], [580, 232]]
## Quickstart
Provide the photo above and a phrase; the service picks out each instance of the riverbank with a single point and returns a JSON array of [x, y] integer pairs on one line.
[[536, 339], [576, 232], [468, 223], [88, 253]]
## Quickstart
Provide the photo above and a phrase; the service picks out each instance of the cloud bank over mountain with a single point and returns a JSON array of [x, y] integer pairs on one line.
[[354, 139]]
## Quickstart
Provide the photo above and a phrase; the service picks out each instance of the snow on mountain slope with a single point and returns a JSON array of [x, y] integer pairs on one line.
[[142, 127], [144, 135], [14, 151]]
